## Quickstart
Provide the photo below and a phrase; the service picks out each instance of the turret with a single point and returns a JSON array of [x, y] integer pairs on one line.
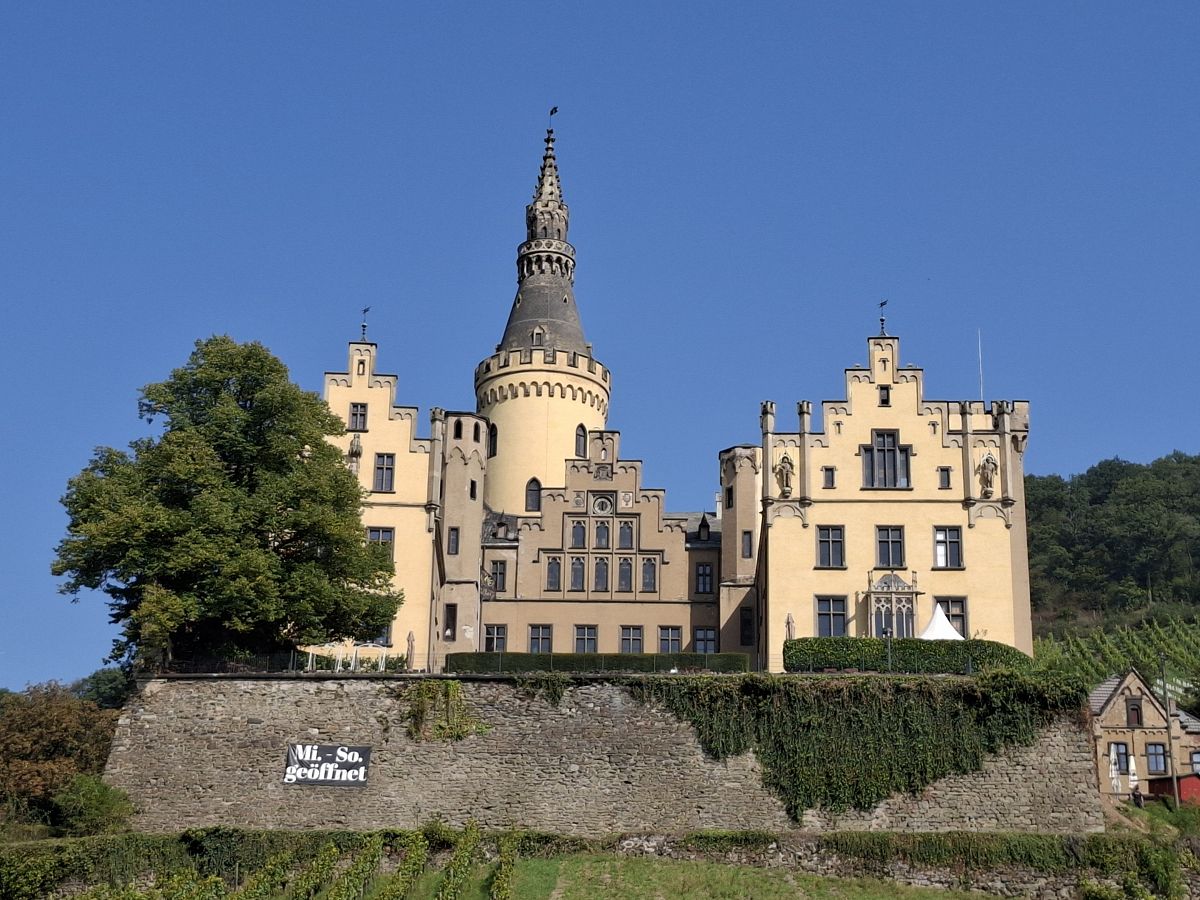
[[542, 390]]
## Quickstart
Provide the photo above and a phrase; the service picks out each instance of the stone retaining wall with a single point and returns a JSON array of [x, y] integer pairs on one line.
[[211, 751]]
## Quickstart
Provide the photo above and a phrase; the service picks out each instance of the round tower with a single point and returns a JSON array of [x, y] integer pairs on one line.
[[542, 389]]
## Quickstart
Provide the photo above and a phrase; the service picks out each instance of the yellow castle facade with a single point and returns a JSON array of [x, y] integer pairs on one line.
[[519, 527]]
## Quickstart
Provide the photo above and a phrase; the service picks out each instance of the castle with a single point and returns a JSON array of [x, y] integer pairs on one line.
[[519, 526]]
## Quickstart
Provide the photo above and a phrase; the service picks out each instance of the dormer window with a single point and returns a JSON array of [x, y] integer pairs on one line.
[[537, 336], [704, 530]]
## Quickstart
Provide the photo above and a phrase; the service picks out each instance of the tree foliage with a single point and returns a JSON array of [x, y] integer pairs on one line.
[[237, 529], [1116, 539], [48, 735]]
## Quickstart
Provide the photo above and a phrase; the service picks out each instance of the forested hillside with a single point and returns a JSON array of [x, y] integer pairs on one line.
[[1115, 545]]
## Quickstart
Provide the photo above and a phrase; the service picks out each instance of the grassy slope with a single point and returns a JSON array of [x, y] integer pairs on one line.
[[599, 877]]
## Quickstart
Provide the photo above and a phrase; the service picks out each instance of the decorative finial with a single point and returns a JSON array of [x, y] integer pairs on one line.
[[550, 119], [366, 309], [882, 319]]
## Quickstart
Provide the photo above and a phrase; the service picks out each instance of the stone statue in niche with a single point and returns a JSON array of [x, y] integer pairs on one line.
[[791, 627], [783, 474], [354, 454], [988, 468]]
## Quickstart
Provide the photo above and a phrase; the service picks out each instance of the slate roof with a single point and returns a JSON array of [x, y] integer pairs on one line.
[[1101, 694]]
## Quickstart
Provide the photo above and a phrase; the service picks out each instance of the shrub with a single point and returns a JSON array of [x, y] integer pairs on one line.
[[502, 879], [416, 852], [458, 869], [909, 655], [315, 875], [359, 874], [89, 806]]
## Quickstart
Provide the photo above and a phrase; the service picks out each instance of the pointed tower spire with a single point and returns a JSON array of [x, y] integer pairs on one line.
[[544, 312]]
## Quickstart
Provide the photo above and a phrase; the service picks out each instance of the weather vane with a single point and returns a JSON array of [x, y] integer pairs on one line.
[[365, 310], [882, 319]]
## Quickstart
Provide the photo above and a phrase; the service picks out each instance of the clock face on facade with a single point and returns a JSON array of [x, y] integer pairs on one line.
[[602, 506]]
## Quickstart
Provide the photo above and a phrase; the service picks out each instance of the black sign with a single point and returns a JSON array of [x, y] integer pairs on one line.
[[326, 764]]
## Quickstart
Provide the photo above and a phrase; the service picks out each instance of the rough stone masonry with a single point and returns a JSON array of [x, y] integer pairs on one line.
[[205, 750]]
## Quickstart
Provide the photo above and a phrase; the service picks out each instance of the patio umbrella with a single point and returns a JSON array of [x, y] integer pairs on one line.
[[1114, 774], [1133, 779]]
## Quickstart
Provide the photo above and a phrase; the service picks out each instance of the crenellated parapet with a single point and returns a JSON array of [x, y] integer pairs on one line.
[[515, 374]]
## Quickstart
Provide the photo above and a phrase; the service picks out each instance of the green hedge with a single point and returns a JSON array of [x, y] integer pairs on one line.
[[909, 655], [596, 662]]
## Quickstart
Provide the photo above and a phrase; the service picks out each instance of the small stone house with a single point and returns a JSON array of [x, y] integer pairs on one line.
[[1128, 716]]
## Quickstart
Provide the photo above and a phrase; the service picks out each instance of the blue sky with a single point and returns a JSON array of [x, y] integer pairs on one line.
[[746, 182]]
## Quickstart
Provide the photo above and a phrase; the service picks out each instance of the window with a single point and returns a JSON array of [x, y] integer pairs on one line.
[[955, 609], [576, 573], [452, 541], [831, 547], [1156, 759], [1133, 713], [450, 621], [885, 461], [537, 337], [499, 575], [649, 575], [585, 638], [554, 574], [602, 529], [729, 497], [457, 429], [828, 477], [475, 433], [625, 536], [943, 478], [670, 639], [747, 544], [631, 638], [601, 580], [704, 581], [704, 532], [894, 616], [385, 472], [1122, 756], [885, 395], [625, 575], [495, 638], [533, 496], [358, 417], [473, 489], [385, 537], [578, 534], [540, 638], [581, 447], [889, 540], [947, 547], [747, 626], [493, 441], [831, 617], [704, 640], [384, 638], [1196, 761]]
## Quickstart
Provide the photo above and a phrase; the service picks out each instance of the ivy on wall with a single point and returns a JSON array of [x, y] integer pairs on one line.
[[438, 712], [850, 742]]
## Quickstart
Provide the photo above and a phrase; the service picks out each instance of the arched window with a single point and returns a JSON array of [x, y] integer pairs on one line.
[[533, 496], [457, 429], [602, 574], [554, 575], [625, 575], [475, 433], [493, 440], [578, 534], [602, 535], [649, 575], [581, 442], [626, 536], [576, 573]]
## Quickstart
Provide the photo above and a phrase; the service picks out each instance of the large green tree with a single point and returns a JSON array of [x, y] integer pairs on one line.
[[237, 529]]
